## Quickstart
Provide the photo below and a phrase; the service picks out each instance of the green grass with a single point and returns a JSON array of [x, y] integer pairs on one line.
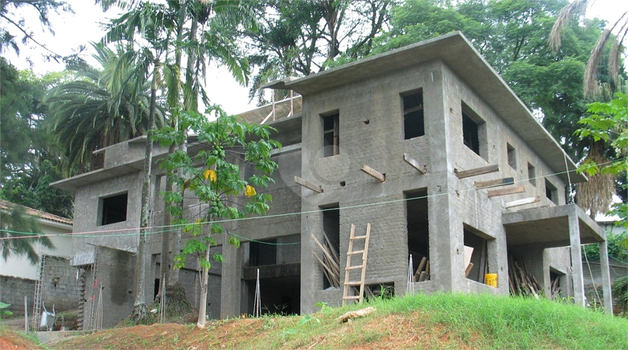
[[477, 321], [516, 323], [443, 321]]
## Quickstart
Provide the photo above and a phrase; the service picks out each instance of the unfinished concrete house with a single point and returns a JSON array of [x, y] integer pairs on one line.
[[425, 148]]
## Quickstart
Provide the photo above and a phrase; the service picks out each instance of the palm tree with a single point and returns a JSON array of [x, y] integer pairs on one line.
[[596, 194], [162, 28], [19, 233], [99, 108], [613, 36]]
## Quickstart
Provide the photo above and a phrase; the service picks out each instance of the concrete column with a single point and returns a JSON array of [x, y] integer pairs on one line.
[[230, 280], [606, 278], [576, 258]]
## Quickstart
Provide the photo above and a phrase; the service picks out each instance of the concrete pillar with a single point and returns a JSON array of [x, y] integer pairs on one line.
[[576, 258], [230, 280], [606, 278]]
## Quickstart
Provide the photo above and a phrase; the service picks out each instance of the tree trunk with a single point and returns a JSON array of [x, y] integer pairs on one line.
[[202, 307], [140, 310]]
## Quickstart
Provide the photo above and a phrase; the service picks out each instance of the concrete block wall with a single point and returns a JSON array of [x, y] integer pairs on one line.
[[87, 214], [499, 134], [115, 275], [371, 133], [60, 285], [13, 290]]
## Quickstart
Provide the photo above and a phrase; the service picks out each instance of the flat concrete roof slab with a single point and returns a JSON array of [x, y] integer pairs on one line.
[[549, 226]]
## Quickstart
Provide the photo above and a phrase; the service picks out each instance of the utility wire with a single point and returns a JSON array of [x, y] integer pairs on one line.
[[170, 228]]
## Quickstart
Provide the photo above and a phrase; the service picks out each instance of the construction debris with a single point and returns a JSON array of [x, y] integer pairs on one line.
[[521, 282], [423, 271], [330, 261], [357, 313]]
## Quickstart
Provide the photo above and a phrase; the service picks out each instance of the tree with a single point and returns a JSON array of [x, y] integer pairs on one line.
[[28, 152], [512, 35], [99, 108], [12, 14], [613, 37], [18, 234], [202, 34], [303, 37], [608, 125], [596, 194], [147, 31], [225, 175]]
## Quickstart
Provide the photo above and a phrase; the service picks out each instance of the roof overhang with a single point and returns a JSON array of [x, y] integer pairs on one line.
[[549, 227], [75, 182], [466, 62]]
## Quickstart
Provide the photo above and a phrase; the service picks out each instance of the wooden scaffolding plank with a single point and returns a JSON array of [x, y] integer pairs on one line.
[[414, 163], [523, 201], [461, 174], [506, 191], [374, 173], [308, 185], [494, 183]]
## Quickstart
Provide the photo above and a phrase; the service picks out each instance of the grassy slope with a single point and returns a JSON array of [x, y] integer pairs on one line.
[[442, 321]]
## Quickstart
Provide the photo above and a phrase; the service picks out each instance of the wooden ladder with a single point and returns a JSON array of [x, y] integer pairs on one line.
[[349, 285]]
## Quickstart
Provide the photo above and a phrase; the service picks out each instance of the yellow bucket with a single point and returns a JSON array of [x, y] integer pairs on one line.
[[491, 279]]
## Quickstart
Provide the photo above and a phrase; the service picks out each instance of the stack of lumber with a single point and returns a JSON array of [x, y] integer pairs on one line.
[[555, 289], [521, 282], [423, 271], [330, 261]]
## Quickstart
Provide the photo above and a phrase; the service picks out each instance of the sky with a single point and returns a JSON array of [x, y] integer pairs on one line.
[[72, 30]]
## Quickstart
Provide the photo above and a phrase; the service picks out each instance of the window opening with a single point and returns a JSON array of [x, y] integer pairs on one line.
[[330, 134], [532, 174], [474, 132], [113, 209], [331, 228], [263, 252], [550, 192], [556, 277], [475, 239], [413, 118], [512, 157], [418, 233]]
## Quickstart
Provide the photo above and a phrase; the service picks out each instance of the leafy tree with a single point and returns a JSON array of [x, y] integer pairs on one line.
[[512, 35], [146, 32], [614, 36], [303, 37], [19, 234], [220, 183], [28, 153], [13, 24], [608, 125], [596, 194], [202, 34]]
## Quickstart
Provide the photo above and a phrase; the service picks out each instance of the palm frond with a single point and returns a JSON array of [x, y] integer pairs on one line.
[[576, 8]]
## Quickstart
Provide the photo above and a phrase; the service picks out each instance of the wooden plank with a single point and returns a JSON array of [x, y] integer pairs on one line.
[[420, 268], [415, 164], [374, 173], [308, 185], [467, 271], [523, 201], [494, 183], [506, 191], [461, 174]]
